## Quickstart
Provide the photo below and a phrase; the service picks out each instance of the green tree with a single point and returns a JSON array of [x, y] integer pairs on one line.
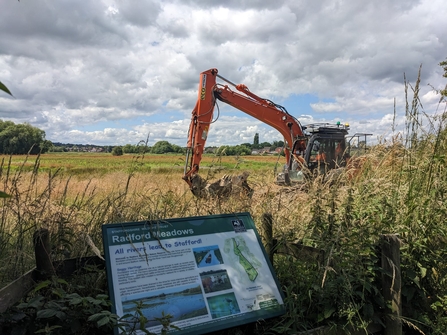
[[46, 146], [256, 141], [130, 149], [163, 147], [242, 150], [6, 124], [117, 151], [21, 139], [265, 145], [225, 150], [178, 149], [277, 144]]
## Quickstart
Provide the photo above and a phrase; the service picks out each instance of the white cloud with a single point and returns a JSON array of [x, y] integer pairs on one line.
[[72, 65]]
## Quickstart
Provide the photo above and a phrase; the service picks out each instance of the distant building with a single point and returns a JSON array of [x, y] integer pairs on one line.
[[265, 150], [278, 150]]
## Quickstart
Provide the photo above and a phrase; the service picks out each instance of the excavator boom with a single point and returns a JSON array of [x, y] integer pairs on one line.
[[266, 111]]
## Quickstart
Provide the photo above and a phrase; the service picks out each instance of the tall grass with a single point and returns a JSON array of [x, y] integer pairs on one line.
[[400, 189], [73, 207]]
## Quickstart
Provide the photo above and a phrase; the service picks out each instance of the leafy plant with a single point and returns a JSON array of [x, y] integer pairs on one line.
[[53, 310]]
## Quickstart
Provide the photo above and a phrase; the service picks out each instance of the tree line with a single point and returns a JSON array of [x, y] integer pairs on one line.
[[160, 147], [164, 147], [17, 139]]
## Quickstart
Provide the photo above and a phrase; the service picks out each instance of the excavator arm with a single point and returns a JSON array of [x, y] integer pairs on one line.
[[201, 119], [247, 102]]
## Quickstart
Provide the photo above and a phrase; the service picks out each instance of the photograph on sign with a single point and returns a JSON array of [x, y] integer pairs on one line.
[[208, 256], [182, 302], [203, 273]]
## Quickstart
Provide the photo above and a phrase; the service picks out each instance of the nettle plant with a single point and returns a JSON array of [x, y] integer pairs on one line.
[[56, 306]]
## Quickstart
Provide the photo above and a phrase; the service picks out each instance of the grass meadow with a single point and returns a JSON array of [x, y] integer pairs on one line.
[[400, 188]]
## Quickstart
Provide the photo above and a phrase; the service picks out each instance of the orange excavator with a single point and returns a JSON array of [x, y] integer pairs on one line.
[[315, 147]]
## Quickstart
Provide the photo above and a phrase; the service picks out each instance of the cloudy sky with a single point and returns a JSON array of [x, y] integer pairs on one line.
[[111, 72]]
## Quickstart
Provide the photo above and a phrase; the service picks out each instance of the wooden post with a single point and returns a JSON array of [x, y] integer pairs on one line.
[[267, 224], [42, 249], [391, 283]]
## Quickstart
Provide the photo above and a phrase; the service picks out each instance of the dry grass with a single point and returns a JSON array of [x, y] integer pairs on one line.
[[73, 206]]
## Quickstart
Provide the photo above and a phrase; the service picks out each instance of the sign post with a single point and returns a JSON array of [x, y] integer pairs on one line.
[[208, 273]]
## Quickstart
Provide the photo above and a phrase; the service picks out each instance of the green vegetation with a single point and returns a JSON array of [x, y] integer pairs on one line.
[[117, 151], [226, 150], [443, 64], [163, 147], [19, 139]]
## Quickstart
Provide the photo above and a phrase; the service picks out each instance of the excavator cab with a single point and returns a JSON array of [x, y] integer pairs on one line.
[[326, 147], [326, 150]]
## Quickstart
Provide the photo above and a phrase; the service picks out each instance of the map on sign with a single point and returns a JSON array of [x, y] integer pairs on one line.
[[207, 273], [241, 259]]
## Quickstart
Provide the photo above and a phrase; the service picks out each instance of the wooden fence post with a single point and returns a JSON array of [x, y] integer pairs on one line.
[[391, 283], [42, 249], [267, 224]]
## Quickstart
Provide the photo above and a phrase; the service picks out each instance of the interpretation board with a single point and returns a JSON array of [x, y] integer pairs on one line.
[[208, 272]]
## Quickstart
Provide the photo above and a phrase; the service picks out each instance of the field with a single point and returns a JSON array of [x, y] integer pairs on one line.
[[399, 188], [100, 163]]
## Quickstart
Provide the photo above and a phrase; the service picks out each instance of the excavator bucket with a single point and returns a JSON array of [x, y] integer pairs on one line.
[[224, 187], [198, 186]]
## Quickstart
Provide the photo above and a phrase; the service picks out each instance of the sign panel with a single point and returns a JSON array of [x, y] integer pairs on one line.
[[207, 272]]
